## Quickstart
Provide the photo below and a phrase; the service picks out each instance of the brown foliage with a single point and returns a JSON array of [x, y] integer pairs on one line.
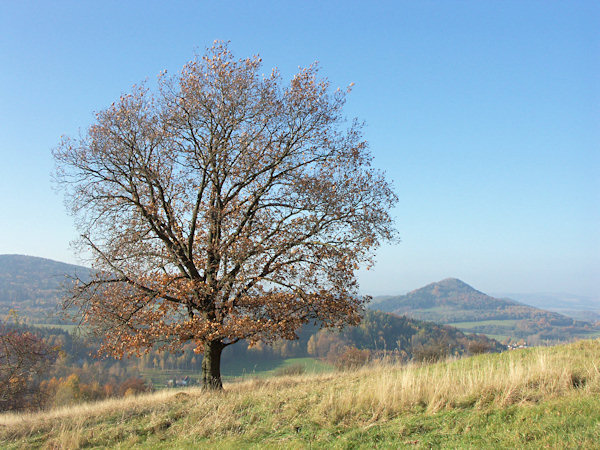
[[133, 386], [23, 357], [351, 358], [70, 390], [324, 344], [479, 346], [431, 351], [224, 206]]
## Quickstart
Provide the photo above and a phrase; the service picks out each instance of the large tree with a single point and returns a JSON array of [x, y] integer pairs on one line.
[[223, 205]]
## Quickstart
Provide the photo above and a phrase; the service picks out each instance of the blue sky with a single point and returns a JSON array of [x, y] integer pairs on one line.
[[486, 116]]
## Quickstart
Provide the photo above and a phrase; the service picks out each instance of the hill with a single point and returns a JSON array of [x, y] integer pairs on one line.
[[533, 398], [33, 286], [453, 302], [579, 307]]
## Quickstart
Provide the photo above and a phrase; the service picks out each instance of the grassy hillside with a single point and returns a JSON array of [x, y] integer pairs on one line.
[[534, 398], [455, 303]]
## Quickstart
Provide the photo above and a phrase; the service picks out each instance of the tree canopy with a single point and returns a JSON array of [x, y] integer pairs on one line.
[[222, 205]]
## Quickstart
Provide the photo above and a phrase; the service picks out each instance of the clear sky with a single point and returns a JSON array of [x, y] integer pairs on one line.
[[486, 116]]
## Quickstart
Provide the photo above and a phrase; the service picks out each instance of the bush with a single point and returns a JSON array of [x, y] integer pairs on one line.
[[133, 386], [431, 351], [292, 369], [478, 347], [352, 358]]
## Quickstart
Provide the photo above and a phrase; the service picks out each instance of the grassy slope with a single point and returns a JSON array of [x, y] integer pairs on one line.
[[533, 398]]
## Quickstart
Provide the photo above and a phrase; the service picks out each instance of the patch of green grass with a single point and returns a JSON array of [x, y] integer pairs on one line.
[[267, 368], [561, 423], [240, 369], [499, 323], [508, 326], [498, 337], [310, 365], [570, 422]]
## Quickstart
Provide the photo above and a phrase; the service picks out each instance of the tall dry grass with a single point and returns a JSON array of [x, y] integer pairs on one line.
[[353, 398], [499, 380]]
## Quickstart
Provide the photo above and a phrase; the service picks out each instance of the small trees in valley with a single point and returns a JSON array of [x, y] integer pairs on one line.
[[223, 206]]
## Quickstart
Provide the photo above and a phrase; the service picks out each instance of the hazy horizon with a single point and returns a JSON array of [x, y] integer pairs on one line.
[[594, 301]]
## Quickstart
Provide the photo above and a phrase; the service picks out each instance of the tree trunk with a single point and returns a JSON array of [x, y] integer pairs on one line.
[[211, 365]]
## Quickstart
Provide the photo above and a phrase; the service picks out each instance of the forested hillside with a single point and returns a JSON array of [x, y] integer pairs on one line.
[[33, 287], [454, 302]]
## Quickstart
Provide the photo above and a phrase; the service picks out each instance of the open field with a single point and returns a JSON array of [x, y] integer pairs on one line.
[[67, 328], [506, 327], [502, 323], [498, 337], [533, 398], [239, 370]]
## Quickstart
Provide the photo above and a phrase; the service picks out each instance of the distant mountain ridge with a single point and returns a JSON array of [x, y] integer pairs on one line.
[[36, 266], [29, 284], [448, 292], [452, 301]]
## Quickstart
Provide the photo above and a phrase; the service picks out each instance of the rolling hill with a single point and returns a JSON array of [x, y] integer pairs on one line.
[[32, 286], [453, 302]]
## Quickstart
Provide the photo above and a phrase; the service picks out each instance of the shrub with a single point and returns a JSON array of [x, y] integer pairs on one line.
[[431, 351], [292, 369], [133, 386], [352, 358], [478, 347]]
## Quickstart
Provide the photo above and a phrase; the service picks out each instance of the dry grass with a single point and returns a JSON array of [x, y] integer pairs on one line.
[[480, 381], [345, 399]]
